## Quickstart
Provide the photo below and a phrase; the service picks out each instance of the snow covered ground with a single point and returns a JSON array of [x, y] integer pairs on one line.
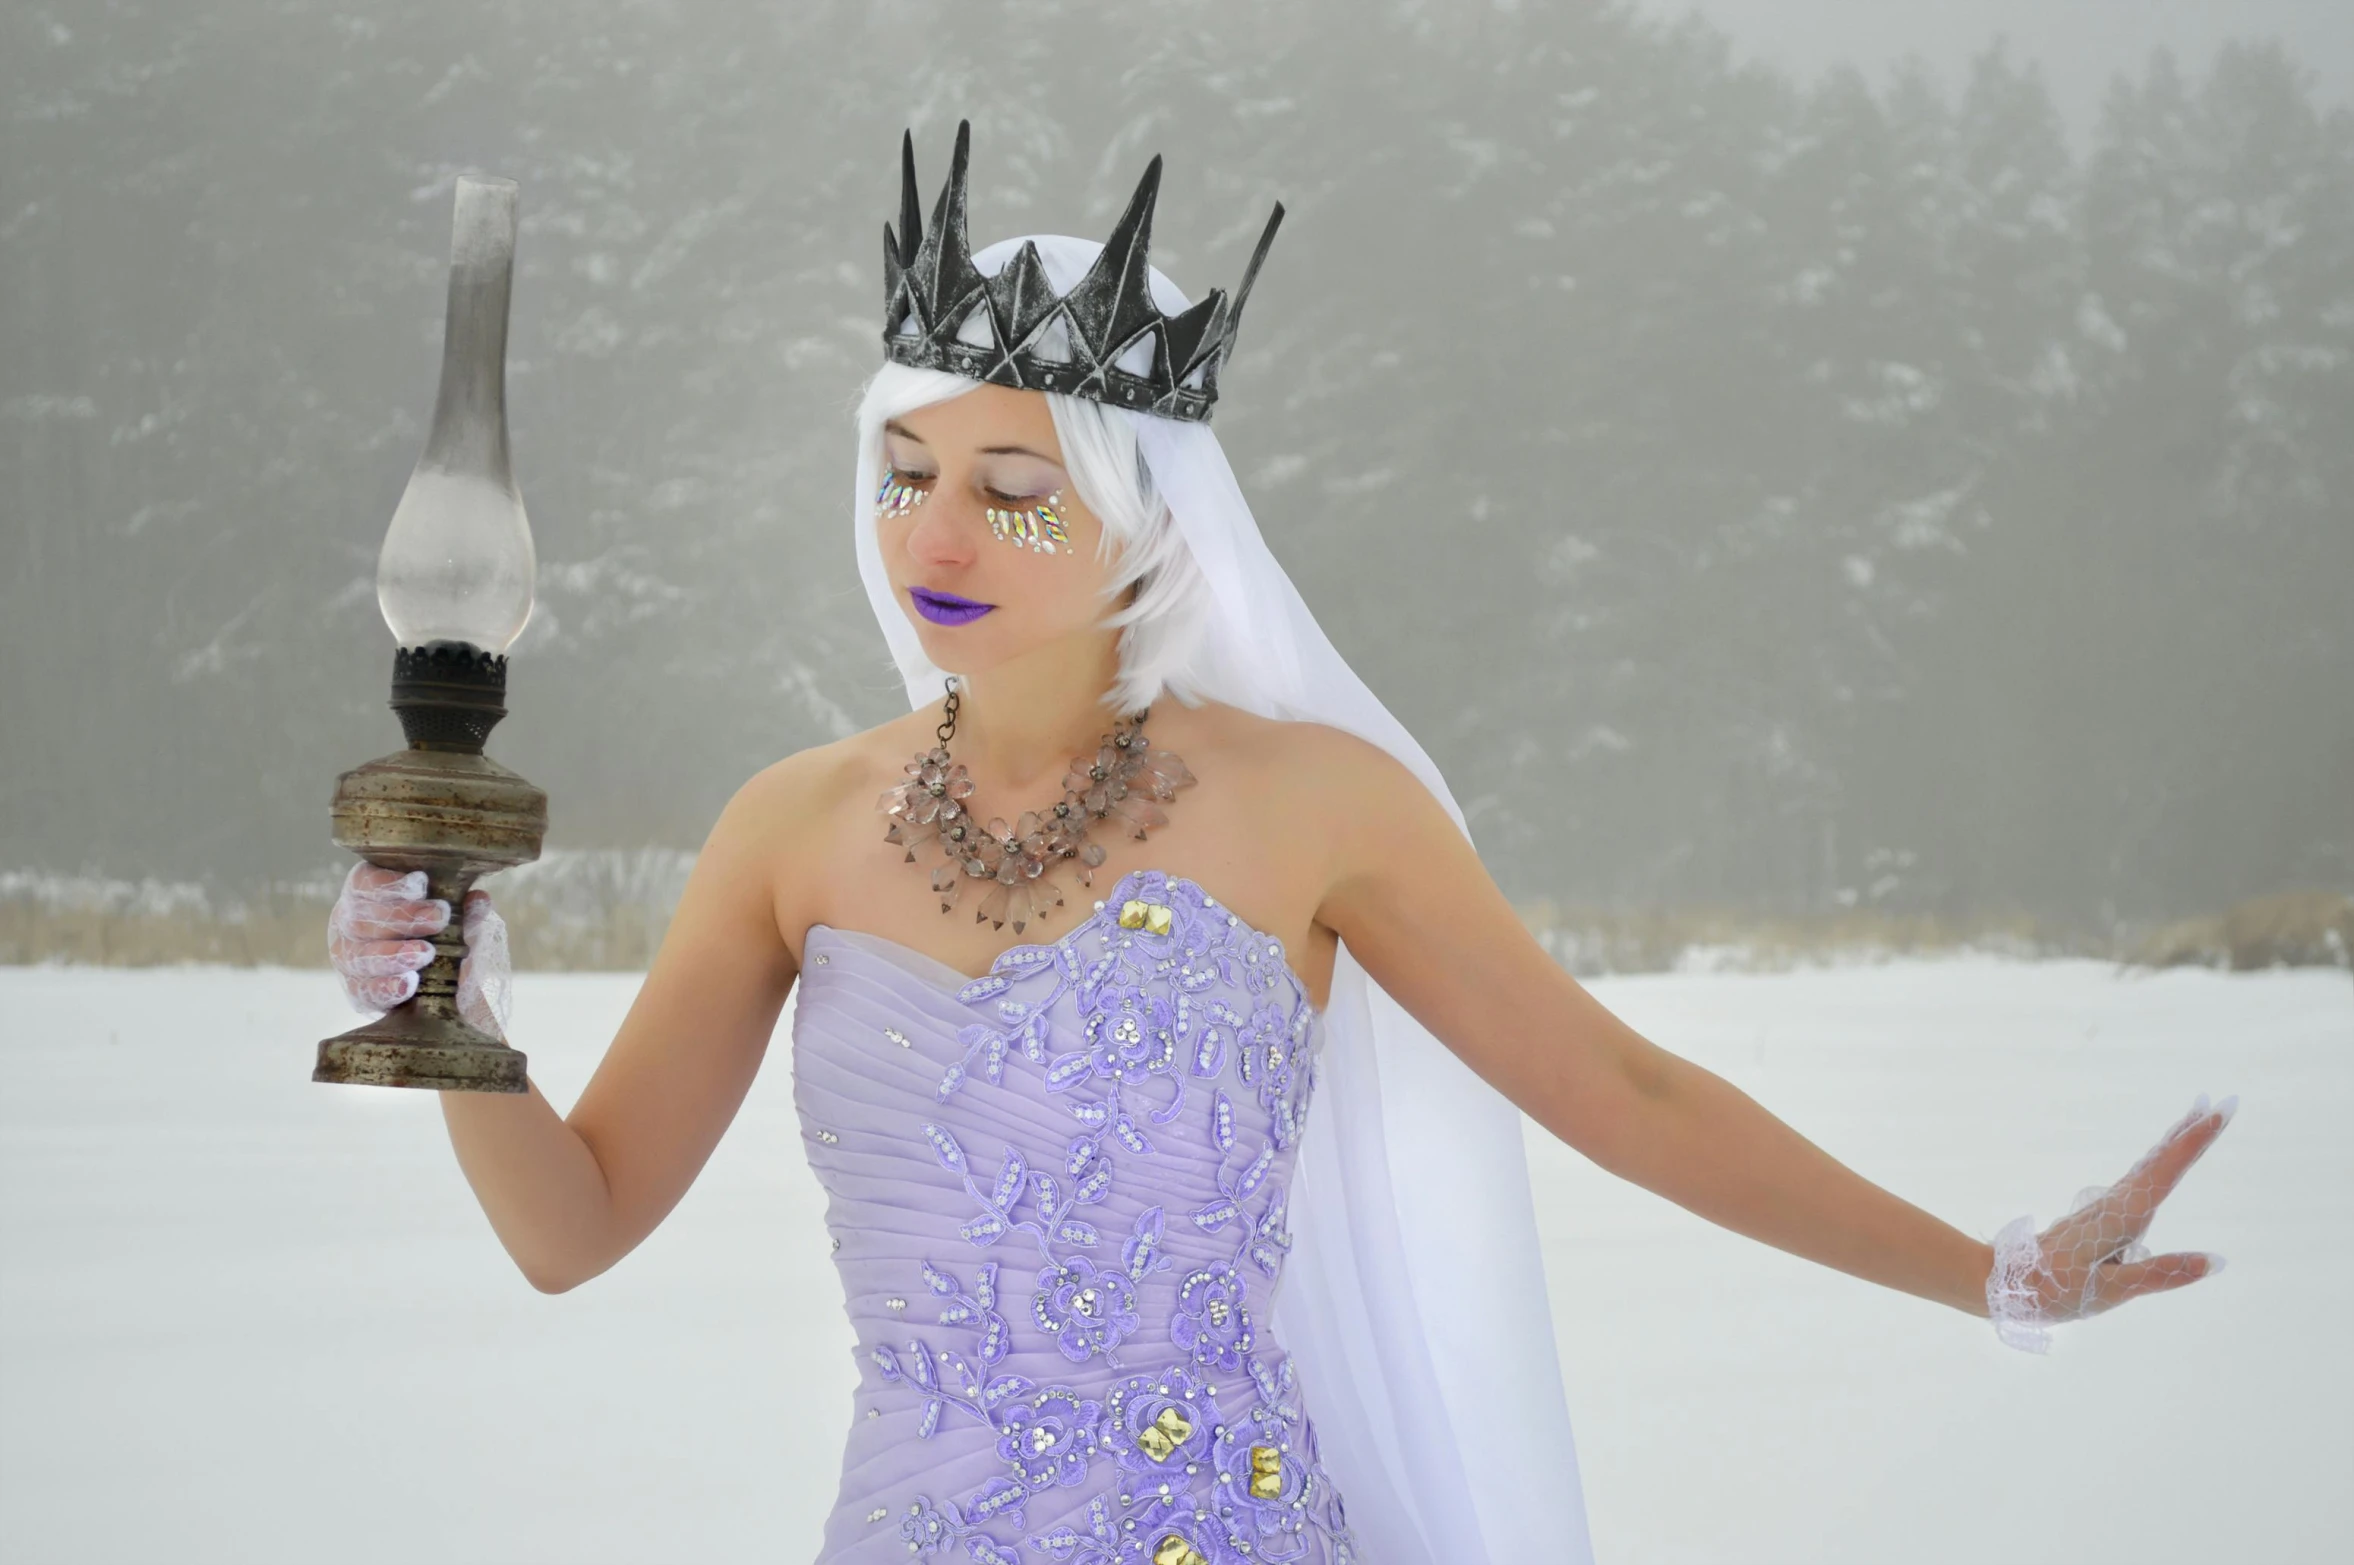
[[247, 1318]]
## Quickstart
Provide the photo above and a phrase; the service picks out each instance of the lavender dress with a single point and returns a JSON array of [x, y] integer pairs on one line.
[[1057, 1200]]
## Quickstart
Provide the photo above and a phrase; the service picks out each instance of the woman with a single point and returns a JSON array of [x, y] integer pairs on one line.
[[1068, 1141]]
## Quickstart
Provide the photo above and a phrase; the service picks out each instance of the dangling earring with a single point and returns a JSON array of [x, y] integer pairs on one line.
[[1040, 526], [897, 498]]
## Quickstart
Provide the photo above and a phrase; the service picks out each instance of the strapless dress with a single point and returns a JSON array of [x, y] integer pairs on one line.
[[1056, 1196]]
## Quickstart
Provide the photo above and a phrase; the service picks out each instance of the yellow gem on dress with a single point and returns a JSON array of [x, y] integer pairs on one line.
[[1161, 1438], [1151, 917], [1266, 1473], [1174, 1550]]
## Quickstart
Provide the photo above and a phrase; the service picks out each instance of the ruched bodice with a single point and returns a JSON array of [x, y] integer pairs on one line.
[[1056, 1194]]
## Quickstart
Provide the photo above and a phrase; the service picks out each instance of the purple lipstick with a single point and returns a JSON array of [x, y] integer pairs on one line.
[[946, 608]]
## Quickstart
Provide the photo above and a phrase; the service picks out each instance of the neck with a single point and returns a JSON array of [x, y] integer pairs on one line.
[[1019, 724]]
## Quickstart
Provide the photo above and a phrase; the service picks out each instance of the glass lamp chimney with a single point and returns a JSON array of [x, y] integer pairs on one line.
[[457, 563]]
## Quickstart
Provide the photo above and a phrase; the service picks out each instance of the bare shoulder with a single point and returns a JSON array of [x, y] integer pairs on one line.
[[793, 800], [1305, 758], [788, 818], [1339, 795]]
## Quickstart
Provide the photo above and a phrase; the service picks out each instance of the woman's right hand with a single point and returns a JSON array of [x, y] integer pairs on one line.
[[377, 934], [377, 941]]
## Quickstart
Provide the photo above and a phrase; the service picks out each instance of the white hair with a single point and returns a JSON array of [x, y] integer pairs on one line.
[[1160, 631]]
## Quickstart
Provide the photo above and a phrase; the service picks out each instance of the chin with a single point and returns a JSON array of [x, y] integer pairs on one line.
[[960, 648]]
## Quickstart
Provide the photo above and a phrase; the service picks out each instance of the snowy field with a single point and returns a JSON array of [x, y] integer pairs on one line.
[[247, 1318]]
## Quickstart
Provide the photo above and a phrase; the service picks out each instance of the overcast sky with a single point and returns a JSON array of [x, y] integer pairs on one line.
[[2080, 43]]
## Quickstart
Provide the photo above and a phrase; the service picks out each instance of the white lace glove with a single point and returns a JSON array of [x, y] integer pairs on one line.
[[377, 941], [2093, 1259]]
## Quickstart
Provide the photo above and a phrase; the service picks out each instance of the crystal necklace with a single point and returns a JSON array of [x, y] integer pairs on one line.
[[1126, 777]]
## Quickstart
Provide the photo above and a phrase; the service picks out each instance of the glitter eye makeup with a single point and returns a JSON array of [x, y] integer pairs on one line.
[[897, 497], [1038, 525], [1017, 511]]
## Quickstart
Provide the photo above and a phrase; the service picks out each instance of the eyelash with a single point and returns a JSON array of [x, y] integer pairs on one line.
[[893, 470]]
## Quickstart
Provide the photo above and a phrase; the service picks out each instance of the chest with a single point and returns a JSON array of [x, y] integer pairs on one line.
[[1261, 867]]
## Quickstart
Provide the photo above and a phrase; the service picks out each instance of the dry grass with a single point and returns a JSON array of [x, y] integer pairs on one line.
[[1593, 942], [2287, 929], [2291, 929], [276, 930], [600, 912], [607, 912]]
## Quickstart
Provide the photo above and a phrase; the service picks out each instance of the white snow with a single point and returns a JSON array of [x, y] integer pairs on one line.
[[246, 1317]]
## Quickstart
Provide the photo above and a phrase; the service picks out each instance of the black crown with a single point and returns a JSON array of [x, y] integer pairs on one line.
[[1013, 330]]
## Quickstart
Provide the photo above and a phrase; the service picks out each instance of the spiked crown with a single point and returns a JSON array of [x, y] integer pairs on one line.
[[1105, 339]]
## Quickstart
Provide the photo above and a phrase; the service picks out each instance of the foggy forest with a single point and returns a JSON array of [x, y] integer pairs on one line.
[[1780, 495]]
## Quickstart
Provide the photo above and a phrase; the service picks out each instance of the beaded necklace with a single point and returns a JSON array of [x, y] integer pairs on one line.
[[1125, 777]]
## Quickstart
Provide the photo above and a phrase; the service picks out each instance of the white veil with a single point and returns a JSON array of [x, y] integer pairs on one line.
[[1414, 1298]]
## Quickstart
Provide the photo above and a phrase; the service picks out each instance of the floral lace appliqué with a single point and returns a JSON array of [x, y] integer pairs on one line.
[[1197, 1449]]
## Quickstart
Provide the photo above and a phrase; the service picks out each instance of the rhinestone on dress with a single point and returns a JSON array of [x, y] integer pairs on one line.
[[1188, 1059]]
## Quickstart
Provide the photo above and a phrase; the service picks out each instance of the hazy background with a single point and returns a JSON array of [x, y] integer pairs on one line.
[[1777, 477], [2078, 44], [1767, 470]]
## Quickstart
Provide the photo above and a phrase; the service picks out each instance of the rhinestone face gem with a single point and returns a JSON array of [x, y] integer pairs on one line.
[[1039, 527], [897, 497]]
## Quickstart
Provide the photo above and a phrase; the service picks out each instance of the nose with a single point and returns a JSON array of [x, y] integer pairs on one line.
[[941, 536]]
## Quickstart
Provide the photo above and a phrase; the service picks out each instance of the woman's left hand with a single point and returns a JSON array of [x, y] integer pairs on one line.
[[2093, 1259]]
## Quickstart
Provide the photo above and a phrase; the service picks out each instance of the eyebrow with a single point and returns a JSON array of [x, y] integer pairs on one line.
[[894, 427]]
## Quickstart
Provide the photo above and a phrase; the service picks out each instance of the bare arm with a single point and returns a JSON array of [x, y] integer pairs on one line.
[[570, 1196], [1417, 908]]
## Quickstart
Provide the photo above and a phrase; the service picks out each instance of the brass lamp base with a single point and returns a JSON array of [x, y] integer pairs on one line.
[[440, 806], [408, 1047]]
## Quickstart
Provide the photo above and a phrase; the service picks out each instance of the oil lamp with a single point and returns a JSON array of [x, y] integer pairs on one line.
[[455, 583]]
